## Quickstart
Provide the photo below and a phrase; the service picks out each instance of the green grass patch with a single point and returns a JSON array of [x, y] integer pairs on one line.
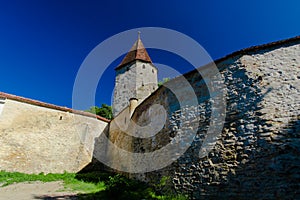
[[69, 179], [84, 187], [7, 178], [97, 185]]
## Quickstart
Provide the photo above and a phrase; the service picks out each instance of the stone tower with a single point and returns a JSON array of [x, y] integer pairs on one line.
[[136, 77]]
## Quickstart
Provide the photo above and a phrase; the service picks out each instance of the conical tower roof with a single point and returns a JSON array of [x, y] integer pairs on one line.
[[137, 52]]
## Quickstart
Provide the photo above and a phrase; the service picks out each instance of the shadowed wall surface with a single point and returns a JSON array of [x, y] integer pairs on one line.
[[257, 153]]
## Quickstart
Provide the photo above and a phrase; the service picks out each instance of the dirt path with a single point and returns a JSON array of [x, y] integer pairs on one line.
[[36, 190]]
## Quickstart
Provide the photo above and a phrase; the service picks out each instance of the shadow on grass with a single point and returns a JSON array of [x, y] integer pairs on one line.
[[116, 187], [99, 195]]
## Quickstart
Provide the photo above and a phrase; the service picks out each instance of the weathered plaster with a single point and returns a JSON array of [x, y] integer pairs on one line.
[[36, 139]]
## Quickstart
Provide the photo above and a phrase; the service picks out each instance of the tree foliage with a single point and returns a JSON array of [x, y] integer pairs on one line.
[[163, 81], [103, 111]]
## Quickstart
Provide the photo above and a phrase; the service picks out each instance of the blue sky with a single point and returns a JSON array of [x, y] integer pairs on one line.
[[44, 42]]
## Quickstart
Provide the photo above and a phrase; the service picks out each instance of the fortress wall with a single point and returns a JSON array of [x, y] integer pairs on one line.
[[257, 154], [36, 139], [118, 136], [2, 101]]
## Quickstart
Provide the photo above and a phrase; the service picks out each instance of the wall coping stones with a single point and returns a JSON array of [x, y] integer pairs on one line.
[[51, 106]]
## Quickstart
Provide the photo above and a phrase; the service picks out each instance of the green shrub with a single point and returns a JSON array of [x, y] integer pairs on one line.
[[103, 111], [160, 83], [99, 185]]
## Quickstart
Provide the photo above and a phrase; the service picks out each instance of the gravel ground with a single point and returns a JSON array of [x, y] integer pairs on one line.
[[36, 190]]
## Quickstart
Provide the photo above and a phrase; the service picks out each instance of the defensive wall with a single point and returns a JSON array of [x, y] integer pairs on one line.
[[257, 154], [39, 137]]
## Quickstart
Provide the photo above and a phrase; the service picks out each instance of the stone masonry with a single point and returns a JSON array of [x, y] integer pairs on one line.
[[257, 155], [136, 77]]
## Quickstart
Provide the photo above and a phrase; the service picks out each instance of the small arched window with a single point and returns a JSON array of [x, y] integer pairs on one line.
[[143, 66], [152, 70]]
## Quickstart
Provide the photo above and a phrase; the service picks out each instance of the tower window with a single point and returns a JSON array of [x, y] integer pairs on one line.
[[152, 71], [143, 66]]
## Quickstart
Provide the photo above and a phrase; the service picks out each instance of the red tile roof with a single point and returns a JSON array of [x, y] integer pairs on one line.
[[51, 106], [137, 52]]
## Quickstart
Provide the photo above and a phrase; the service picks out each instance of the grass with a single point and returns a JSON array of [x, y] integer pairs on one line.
[[83, 187], [95, 185], [7, 178], [69, 179]]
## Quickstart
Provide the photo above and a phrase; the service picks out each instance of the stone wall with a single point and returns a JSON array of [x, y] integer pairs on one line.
[[257, 154], [36, 138], [135, 80], [125, 87]]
